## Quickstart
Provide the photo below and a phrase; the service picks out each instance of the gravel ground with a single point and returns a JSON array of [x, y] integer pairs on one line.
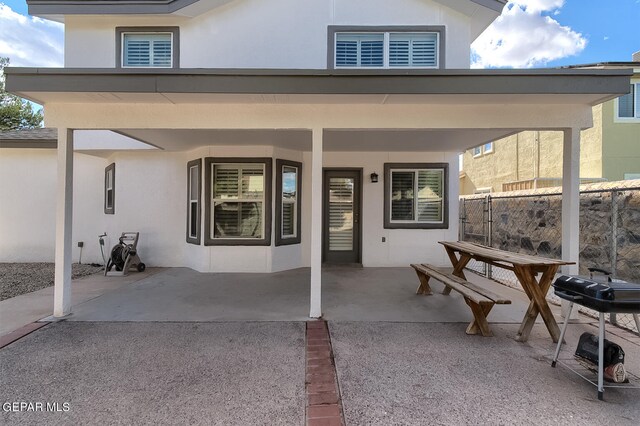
[[21, 278]]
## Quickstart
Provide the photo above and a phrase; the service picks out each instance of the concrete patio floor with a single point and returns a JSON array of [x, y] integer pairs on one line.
[[348, 294]]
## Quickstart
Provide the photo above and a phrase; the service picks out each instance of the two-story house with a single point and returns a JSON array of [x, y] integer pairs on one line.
[[284, 134], [610, 150]]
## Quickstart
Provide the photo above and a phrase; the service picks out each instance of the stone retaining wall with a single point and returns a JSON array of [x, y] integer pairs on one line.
[[531, 222]]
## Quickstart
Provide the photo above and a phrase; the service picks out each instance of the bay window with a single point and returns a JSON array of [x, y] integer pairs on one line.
[[238, 211], [194, 187], [288, 202]]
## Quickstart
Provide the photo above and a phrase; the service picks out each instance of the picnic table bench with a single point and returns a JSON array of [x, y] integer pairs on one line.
[[479, 299], [525, 267]]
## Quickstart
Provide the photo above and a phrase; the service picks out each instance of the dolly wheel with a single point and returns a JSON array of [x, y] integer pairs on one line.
[[141, 267]]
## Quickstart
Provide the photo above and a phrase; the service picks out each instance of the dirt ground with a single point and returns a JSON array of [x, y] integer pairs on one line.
[[22, 278]]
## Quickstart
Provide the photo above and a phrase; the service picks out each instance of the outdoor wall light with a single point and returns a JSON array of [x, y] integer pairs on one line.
[[374, 177]]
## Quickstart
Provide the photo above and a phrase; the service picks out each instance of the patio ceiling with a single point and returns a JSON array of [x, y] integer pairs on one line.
[[334, 139]]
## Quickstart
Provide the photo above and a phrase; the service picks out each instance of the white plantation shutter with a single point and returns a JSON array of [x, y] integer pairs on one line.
[[625, 104], [417, 196], [289, 201], [238, 200], [413, 50], [359, 50], [402, 194], [346, 53], [430, 186], [341, 214], [147, 50], [637, 99]]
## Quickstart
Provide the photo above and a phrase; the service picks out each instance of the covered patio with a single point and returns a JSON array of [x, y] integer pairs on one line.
[[349, 294], [326, 119]]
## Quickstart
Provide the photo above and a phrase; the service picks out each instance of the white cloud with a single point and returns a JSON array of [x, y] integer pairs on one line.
[[30, 41], [522, 37]]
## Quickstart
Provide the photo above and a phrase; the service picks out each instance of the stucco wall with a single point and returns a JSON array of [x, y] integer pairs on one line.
[[621, 145], [265, 34], [27, 205], [534, 154], [151, 199]]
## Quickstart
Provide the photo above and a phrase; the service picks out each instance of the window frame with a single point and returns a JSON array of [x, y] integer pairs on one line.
[[111, 168], [267, 208], [190, 165], [175, 44], [486, 151], [388, 223], [636, 105], [333, 30], [281, 240]]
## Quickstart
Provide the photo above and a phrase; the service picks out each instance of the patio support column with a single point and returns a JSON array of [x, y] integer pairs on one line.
[[64, 216], [571, 200], [315, 310]]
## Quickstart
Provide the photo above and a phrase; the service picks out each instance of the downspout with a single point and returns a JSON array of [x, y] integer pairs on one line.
[[517, 156]]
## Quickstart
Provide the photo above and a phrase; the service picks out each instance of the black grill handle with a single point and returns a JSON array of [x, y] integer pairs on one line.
[[568, 296], [602, 271]]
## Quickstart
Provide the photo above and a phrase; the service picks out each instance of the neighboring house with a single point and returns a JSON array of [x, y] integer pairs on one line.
[[287, 133], [610, 150]]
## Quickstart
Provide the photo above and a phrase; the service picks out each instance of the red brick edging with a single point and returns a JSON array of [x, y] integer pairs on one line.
[[11, 337], [324, 407]]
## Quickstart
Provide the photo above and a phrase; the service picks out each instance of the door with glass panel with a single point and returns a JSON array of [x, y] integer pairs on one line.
[[342, 224]]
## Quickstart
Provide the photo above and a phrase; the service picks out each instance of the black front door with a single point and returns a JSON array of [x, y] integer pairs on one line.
[[341, 220]]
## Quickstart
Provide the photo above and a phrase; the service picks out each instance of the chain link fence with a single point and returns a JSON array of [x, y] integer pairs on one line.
[[531, 222]]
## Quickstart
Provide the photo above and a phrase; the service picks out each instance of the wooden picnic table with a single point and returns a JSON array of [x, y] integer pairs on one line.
[[525, 267]]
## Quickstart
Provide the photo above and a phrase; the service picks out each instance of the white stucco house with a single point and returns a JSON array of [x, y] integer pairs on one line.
[[261, 136]]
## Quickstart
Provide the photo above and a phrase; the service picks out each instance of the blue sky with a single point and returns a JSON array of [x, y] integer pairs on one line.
[[530, 33]]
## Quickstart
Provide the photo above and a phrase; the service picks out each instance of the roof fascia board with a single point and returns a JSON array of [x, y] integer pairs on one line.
[[28, 143], [545, 81], [105, 7], [495, 5], [115, 7]]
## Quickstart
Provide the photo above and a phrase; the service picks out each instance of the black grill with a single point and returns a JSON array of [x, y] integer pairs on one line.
[[608, 297]]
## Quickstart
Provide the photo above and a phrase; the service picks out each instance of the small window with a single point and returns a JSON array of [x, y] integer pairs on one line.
[[629, 104], [239, 208], [386, 47], [478, 151], [110, 189], [147, 50], [415, 50], [147, 47], [288, 202], [359, 50], [629, 176], [194, 187], [416, 195]]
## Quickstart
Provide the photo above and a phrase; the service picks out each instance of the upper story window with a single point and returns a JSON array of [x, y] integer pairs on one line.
[[478, 151], [147, 47], [386, 47], [629, 104]]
